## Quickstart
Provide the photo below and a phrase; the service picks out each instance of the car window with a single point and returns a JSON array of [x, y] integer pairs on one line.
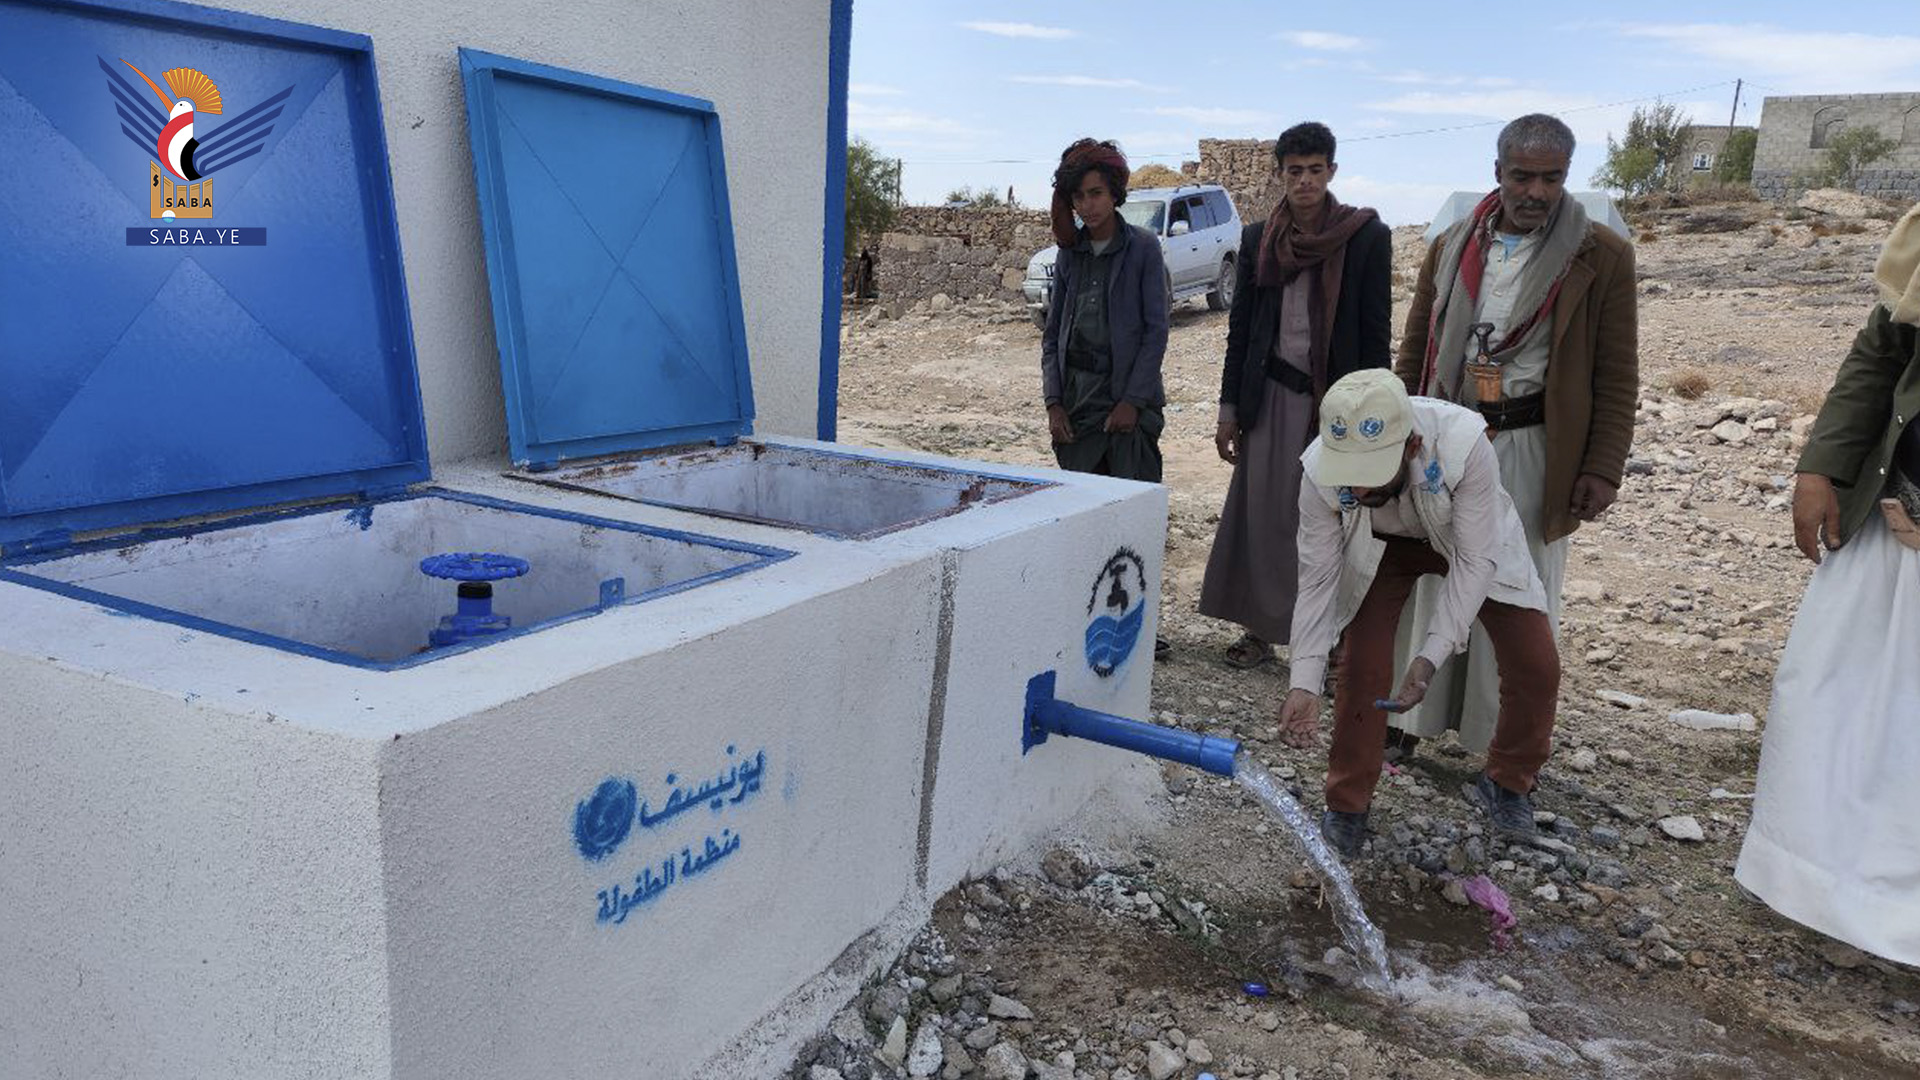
[[1221, 206], [1150, 214], [1198, 213]]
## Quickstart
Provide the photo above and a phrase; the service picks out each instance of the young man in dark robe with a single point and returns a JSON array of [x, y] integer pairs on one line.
[[1313, 302]]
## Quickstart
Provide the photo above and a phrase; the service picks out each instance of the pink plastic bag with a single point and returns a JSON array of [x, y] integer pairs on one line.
[[1484, 893]]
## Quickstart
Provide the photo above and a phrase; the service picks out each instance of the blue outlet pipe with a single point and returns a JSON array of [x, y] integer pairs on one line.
[[1047, 715]]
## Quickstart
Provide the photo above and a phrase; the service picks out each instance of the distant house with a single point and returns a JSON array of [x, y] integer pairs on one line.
[[1795, 133], [1704, 144]]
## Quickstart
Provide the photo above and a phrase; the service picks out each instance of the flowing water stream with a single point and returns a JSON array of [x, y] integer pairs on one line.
[[1368, 944]]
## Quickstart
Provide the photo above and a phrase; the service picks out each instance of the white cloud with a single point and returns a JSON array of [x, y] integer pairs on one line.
[[1495, 104], [1377, 123], [1158, 145], [873, 90], [1320, 39], [1421, 78], [1212, 117], [1092, 82], [1020, 30], [868, 119], [1813, 60]]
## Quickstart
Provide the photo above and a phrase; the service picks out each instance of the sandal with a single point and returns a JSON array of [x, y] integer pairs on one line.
[[1248, 652]]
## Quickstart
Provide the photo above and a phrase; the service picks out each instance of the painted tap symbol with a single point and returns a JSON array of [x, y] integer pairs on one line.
[[1117, 596]]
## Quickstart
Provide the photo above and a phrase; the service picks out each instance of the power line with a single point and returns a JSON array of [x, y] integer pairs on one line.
[[1365, 138]]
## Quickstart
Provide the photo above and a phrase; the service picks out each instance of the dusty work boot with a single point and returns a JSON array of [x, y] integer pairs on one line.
[[1345, 832], [1510, 811]]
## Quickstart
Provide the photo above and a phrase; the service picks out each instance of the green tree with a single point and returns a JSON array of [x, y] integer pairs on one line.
[[1648, 159], [871, 185], [985, 198], [1851, 150], [1735, 164]]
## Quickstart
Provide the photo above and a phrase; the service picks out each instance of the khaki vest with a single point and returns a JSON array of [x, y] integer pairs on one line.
[[1447, 433]]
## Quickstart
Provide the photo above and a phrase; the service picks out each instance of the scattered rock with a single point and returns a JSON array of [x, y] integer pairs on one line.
[[1004, 1061], [1684, 827], [926, 1055], [1198, 1053], [894, 1050], [1583, 760], [1701, 720], [1510, 983], [1066, 869], [1840, 203], [1006, 1008], [1164, 1061], [1622, 700], [1731, 432], [1841, 955], [888, 1003], [983, 1036]]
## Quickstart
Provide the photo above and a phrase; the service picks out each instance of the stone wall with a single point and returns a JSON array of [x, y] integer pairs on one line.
[[963, 253], [1794, 130], [1245, 168]]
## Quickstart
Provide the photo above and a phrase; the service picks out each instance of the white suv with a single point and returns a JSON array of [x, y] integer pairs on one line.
[[1199, 233]]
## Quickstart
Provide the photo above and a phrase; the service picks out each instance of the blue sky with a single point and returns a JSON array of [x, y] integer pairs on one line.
[[988, 95]]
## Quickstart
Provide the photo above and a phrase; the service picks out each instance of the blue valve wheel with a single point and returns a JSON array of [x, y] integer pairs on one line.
[[473, 566]]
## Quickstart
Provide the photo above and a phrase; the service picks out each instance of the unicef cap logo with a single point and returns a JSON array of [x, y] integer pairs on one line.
[[603, 820], [1338, 428], [1371, 427]]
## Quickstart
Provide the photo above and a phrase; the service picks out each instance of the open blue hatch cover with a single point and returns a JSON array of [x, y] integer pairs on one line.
[[616, 300], [201, 301]]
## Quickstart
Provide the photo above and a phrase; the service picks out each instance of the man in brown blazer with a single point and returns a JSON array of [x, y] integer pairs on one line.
[[1526, 311]]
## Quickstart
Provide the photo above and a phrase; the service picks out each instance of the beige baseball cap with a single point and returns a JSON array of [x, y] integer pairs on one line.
[[1364, 423]]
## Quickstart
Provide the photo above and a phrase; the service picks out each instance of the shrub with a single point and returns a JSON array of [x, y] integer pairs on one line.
[[1689, 383], [1850, 151]]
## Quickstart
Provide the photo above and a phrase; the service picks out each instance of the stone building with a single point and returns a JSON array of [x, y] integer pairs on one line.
[[1704, 144], [1795, 132]]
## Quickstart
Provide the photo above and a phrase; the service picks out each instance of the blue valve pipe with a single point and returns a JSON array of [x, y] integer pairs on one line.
[[1047, 715]]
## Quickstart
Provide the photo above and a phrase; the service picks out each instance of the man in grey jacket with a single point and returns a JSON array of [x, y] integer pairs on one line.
[[1106, 329]]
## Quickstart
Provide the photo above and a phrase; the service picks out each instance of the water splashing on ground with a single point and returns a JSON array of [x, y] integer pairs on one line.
[[1369, 945]]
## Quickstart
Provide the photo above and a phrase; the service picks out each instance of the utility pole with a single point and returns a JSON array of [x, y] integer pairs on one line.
[[1732, 116]]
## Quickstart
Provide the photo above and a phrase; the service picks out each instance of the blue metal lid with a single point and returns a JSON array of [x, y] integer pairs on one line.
[[202, 294], [616, 300]]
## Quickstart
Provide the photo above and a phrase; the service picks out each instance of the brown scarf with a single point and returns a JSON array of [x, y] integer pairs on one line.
[[1285, 252]]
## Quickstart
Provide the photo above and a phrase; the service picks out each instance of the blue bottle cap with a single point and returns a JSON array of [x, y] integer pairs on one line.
[[1256, 989]]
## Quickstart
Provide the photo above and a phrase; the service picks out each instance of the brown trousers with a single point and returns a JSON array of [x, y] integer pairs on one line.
[[1523, 649]]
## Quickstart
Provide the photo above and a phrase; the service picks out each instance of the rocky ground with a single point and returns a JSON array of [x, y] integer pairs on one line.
[[1636, 955]]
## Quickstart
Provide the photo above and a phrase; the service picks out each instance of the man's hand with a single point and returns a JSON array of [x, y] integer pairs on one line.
[[1058, 425], [1591, 497], [1300, 719], [1122, 419], [1413, 690], [1816, 515], [1226, 439]]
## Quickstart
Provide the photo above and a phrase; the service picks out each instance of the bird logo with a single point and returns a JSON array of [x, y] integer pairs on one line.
[[178, 186]]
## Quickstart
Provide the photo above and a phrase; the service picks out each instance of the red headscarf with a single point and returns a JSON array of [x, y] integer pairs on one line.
[[1079, 156]]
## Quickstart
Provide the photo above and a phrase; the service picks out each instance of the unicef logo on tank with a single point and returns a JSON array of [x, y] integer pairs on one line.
[[602, 821], [1116, 611]]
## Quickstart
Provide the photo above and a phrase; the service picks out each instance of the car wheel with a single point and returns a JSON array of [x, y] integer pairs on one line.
[[1039, 316], [1169, 281], [1220, 297]]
